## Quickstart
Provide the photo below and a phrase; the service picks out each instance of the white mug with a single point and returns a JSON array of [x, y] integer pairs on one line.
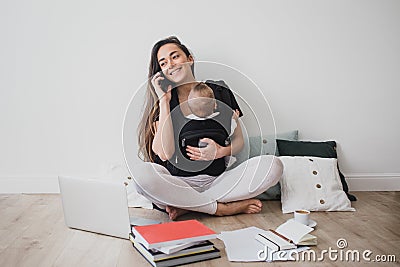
[[302, 216]]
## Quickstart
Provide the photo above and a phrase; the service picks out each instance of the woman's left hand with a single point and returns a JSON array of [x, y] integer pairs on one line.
[[210, 152]]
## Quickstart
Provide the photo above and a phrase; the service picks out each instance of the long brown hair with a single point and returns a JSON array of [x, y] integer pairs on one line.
[[151, 111]]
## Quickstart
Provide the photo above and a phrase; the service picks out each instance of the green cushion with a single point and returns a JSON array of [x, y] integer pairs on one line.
[[325, 149], [257, 145], [267, 145]]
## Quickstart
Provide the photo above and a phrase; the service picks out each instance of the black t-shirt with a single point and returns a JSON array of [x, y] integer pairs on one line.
[[176, 165]]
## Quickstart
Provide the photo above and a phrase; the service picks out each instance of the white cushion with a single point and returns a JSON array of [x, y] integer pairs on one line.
[[312, 183]]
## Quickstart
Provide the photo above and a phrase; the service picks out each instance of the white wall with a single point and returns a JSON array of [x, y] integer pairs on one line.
[[69, 68]]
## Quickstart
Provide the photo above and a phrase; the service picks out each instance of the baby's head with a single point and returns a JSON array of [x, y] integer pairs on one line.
[[201, 100]]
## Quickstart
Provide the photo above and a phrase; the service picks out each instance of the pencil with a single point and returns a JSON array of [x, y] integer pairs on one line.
[[281, 236]]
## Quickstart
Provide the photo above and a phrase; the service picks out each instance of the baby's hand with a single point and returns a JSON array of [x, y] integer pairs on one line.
[[202, 144], [236, 115]]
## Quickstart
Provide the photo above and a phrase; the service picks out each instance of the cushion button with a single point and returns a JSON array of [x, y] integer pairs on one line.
[[315, 172], [322, 201], [318, 185], [264, 141]]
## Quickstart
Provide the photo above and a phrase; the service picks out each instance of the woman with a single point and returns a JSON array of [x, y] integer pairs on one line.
[[160, 178]]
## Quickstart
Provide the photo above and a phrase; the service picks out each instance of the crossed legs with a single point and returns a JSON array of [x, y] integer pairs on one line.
[[231, 193]]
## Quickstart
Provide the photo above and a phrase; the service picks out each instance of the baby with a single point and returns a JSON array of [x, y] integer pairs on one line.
[[203, 105]]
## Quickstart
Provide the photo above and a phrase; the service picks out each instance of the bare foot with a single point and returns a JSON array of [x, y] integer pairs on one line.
[[242, 206], [174, 212]]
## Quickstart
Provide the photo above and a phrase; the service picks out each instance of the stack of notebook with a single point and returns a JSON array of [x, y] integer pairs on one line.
[[174, 243]]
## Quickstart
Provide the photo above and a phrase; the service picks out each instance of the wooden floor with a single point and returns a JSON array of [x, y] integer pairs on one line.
[[33, 233]]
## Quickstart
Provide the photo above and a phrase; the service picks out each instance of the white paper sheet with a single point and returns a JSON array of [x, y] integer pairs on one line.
[[241, 245]]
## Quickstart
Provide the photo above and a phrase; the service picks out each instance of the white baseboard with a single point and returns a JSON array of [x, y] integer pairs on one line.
[[373, 182], [49, 185]]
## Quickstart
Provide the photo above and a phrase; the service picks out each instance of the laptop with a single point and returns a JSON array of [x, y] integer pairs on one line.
[[95, 205]]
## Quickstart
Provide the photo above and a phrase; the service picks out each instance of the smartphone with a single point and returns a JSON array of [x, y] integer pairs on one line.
[[164, 83]]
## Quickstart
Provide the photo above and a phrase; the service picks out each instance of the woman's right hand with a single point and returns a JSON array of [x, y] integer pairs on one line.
[[156, 82]]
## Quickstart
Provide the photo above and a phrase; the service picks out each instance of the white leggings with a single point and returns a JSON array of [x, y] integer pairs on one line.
[[246, 181]]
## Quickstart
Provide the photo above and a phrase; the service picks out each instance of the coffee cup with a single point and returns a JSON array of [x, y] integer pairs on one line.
[[302, 216]]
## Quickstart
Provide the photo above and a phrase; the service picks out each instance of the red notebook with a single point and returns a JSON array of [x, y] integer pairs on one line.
[[172, 233]]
